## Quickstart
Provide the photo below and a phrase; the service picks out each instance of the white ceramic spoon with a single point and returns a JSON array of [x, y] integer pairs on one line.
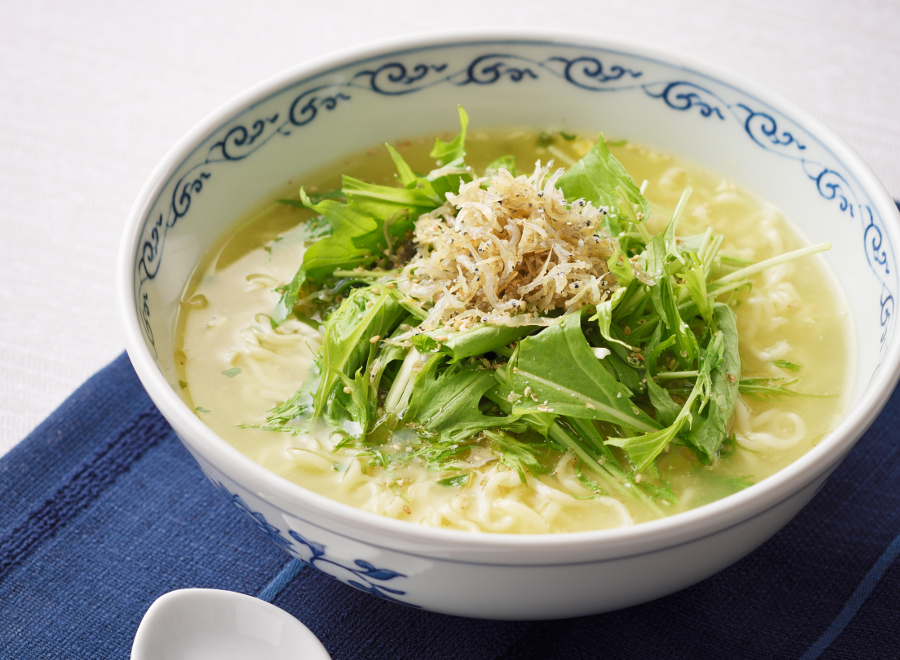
[[210, 624]]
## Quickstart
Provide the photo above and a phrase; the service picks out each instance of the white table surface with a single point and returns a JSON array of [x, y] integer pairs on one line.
[[93, 93]]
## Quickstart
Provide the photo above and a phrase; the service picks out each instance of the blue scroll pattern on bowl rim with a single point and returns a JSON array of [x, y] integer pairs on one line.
[[588, 72]]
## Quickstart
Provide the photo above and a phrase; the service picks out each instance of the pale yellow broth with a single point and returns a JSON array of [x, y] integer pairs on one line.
[[236, 367]]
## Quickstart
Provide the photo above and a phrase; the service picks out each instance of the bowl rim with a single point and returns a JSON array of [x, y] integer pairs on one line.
[[646, 536]]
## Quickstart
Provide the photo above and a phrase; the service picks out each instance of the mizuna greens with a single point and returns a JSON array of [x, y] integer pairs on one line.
[[644, 362]]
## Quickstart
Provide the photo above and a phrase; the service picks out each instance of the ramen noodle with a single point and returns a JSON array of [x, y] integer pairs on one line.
[[236, 366]]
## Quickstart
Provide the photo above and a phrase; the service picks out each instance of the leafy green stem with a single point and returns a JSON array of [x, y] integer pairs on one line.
[[617, 480], [743, 273]]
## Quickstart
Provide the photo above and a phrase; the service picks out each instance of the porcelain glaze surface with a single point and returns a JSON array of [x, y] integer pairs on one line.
[[210, 624], [317, 112]]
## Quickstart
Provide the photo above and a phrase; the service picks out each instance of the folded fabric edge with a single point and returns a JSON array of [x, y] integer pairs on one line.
[[73, 456]]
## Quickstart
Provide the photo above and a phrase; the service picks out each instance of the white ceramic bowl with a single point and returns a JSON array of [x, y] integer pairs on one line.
[[316, 112]]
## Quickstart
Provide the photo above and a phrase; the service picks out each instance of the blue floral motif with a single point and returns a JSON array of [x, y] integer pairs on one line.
[[241, 138], [306, 107], [488, 69], [258, 519], [887, 311], [830, 184], [152, 248], [872, 236], [681, 95], [182, 196], [879, 259], [238, 143], [145, 319], [761, 126], [369, 576], [395, 79], [589, 72]]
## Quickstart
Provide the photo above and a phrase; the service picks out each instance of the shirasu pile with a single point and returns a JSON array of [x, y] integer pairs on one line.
[[509, 250]]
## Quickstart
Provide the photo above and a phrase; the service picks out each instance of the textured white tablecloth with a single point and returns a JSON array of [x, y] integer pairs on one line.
[[93, 93]]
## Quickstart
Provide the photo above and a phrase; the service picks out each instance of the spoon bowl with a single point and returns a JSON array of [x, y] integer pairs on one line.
[[207, 624]]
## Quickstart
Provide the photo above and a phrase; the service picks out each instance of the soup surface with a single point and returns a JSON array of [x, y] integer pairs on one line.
[[236, 366]]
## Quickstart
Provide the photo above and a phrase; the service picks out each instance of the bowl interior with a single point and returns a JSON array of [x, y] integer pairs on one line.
[[309, 117]]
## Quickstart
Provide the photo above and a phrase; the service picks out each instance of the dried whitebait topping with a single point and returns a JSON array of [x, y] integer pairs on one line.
[[508, 253]]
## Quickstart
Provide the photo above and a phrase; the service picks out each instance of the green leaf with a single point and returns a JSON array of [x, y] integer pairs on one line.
[[642, 450], [354, 410], [604, 315], [411, 306], [456, 481], [627, 374], [728, 484], [323, 257], [714, 391], [655, 348], [373, 217], [405, 175], [292, 415], [446, 179], [666, 409], [308, 231], [384, 202], [484, 338], [655, 261], [544, 139], [346, 346], [671, 242], [769, 389], [356, 237], [388, 354], [564, 376], [285, 305], [345, 219], [316, 197], [694, 278], [446, 401], [624, 271], [502, 396], [710, 425], [602, 180], [588, 483], [507, 163], [515, 454], [437, 454], [784, 364], [292, 202], [231, 373], [445, 152], [606, 467]]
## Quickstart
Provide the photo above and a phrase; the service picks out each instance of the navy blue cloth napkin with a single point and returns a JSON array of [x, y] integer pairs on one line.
[[103, 511]]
